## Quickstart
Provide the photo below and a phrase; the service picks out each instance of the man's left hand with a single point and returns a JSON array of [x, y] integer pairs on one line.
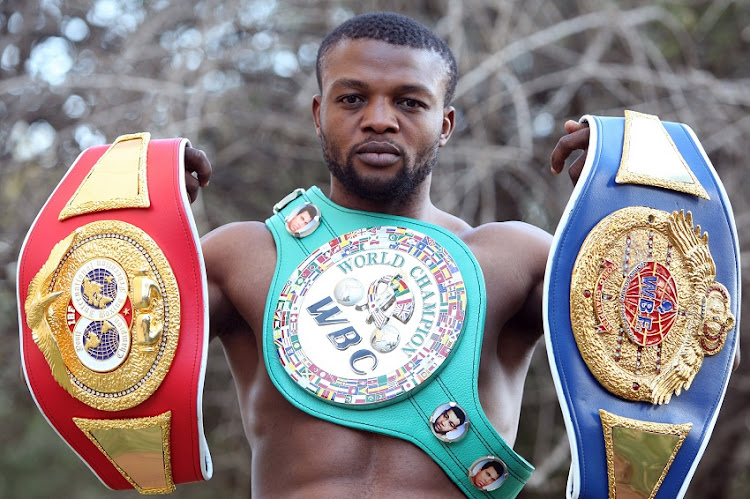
[[577, 138]]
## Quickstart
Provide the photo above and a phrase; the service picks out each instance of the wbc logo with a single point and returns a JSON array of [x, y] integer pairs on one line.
[[380, 306], [370, 315]]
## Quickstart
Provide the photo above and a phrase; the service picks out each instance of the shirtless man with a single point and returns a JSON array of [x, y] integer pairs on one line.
[[382, 114]]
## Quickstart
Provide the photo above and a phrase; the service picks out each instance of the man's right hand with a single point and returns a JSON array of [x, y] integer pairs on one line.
[[197, 171]]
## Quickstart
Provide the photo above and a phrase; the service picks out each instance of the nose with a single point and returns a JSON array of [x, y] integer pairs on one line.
[[379, 117]]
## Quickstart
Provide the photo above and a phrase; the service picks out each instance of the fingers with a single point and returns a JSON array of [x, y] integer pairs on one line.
[[198, 170], [197, 162], [192, 186], [576, 139], [573, 126]]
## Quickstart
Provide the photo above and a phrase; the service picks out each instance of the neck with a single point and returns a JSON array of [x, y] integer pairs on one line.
[[418, 205]]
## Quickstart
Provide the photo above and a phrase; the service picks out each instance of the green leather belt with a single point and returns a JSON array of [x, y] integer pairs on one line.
[[375, 322]]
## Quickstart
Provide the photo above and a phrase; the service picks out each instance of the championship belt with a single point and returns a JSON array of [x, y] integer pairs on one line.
[[375, 322], [641, 308], [113, 316]]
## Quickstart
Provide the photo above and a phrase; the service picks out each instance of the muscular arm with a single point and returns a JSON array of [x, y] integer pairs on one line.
[[240, 259], [531, 260], [513, 258]]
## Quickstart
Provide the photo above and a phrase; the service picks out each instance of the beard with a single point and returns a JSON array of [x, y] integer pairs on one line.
[[380, 187]]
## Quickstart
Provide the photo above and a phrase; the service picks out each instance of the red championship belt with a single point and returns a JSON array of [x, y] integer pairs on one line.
[[113, 316]]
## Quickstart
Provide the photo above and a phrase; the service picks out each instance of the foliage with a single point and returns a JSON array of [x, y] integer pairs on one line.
[[236, 77]]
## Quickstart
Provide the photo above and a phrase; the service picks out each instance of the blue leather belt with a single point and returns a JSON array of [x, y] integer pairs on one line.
[[641, 308]]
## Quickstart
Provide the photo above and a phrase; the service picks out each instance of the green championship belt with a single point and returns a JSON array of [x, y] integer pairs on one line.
[[375, 322]]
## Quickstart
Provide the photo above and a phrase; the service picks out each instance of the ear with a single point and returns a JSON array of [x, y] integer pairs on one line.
[[316, 104], [449, 124]]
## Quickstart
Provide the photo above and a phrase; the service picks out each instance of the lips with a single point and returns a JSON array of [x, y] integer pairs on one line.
[[378, 154]]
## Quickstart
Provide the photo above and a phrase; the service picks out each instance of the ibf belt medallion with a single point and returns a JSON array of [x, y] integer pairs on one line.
[[370, 315], [104, 310], [645, 307]]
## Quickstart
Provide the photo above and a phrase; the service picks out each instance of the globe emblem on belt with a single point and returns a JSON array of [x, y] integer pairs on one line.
[[101, 337], [649, 303], [99, 288]]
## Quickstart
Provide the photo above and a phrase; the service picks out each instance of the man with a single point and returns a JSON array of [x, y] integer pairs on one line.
[[301, 219], [383, 111]]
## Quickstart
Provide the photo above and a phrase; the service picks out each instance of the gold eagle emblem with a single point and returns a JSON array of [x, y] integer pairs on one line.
[[645, 306], [36, 305]]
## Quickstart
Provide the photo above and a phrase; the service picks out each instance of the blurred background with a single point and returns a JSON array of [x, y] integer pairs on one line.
[[237, 78]]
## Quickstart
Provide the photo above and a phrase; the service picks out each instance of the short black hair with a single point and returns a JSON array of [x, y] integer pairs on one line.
[[395, 29], [459, 415], [499, 468]]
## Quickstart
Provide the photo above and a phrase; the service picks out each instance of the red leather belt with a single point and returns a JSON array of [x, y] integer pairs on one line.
[[113, 316]]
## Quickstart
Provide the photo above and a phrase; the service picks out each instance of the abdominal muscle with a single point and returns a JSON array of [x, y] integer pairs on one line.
[[298, 455]]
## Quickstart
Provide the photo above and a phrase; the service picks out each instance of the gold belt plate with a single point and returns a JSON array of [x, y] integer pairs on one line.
[[645, 306], [105, 312]]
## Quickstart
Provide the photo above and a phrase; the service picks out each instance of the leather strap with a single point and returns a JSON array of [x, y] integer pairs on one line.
[[113, 316], [406, 415], [641, 308]]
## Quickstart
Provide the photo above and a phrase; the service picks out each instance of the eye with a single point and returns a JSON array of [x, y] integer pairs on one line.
[[412, 103], [351, 100]]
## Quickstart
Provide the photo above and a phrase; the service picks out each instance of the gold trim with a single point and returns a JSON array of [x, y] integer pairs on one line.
[[122, 442], [37, 304], [626, 176], [117, 180], [145, 356], [644, 429], [611, 315]]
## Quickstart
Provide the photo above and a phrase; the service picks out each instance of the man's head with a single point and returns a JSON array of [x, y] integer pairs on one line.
[[381, 113], [491, 471], [449, 420], [395, 29]]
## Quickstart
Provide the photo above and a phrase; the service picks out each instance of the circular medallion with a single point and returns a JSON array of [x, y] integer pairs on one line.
[[637, 290], [102, 346], [488, 473], [449, 422], [116, 320], [99, 288], [303, 220], [370, 315]]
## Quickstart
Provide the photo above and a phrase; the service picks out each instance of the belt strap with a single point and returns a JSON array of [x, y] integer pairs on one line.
[[406, 416], [113, 318], [641, 308]]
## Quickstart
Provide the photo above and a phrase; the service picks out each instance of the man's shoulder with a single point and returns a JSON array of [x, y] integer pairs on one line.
[[512, 233], [238, 241], [502, 247]]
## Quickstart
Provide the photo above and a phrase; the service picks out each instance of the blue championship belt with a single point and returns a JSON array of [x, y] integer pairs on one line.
[[641, 308], [375, 322]]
